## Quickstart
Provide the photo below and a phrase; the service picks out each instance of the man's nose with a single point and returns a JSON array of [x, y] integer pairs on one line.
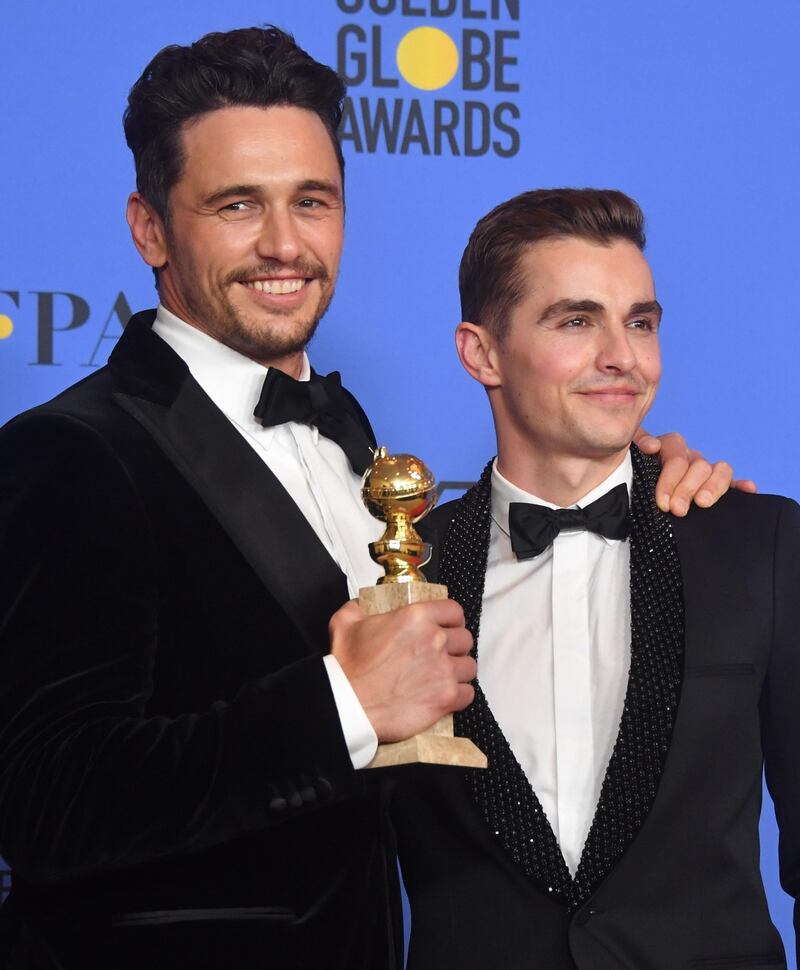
[[279, 237], [616, 353]]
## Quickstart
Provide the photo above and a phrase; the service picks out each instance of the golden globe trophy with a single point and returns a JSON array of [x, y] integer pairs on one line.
[[399, 490]]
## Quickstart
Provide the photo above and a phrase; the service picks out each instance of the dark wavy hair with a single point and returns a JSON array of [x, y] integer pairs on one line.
[[490, 281], [252, 66]]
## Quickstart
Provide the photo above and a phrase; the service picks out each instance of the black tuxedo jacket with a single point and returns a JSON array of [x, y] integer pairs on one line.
[[175, 789], [669, 876]]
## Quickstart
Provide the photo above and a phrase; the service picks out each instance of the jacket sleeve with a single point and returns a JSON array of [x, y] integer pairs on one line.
[[780, 704], [88, 781]]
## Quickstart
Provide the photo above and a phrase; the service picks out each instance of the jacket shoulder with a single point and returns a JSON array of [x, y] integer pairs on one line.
[[81, 418], [737, 508], [739, 528]]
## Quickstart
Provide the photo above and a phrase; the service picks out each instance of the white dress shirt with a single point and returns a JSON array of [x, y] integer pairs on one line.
[[313, 470], [553, 657]]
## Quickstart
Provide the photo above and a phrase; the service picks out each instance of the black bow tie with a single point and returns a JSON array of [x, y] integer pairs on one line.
[[534, 527], [321, 401]]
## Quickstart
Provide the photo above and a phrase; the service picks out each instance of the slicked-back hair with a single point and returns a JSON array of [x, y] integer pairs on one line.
[[490, 278], [250, 67]]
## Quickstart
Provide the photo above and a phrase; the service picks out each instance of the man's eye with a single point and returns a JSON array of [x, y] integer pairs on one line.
[[575, 323], [309, 203], [235, 207], [646, 324]]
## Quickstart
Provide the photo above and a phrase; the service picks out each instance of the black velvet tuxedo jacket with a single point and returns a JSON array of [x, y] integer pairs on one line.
[[669, 876], [175, 789]]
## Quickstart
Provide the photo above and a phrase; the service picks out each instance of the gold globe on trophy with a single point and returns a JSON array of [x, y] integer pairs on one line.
[[399, 490]]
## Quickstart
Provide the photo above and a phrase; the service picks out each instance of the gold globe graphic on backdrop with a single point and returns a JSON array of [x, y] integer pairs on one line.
[[427, 58]]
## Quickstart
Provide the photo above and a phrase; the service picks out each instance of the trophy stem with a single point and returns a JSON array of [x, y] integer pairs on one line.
[[401, 551]]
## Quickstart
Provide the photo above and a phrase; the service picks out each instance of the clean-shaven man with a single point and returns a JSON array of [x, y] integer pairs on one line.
[[634, 670]]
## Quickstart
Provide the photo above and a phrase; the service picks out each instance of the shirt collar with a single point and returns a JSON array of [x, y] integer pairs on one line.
[[505, 492], [231, 380]]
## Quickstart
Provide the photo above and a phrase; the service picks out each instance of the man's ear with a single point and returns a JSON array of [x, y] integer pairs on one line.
[[478, 354], [147, 230]]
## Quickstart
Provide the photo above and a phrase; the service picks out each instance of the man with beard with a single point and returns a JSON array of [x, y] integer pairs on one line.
[[635, 671], [187, 696]]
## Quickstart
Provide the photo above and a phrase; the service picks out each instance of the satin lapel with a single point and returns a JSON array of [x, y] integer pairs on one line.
[[654, 684], [502, 792], [238, 488]]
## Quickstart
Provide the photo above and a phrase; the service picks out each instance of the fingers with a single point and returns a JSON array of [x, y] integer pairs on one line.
[[446, 613], [673, 445], [464, 697], [715, 486], [647, 443], [683, 471], [459, 691], [448, 616], [666, 446], [459, 642], [465, 669], [682, 482], [681, 489], [672, 472], [745, 485], [686, 476]]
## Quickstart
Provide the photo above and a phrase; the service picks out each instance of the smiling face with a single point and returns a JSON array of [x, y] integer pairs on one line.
[[252, 248], [579, 365]]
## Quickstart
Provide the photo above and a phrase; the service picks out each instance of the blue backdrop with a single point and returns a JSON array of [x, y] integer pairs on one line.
[[691, 107]]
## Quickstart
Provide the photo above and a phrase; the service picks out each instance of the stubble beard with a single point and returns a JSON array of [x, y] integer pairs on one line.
[[266, 341], [262, 340]]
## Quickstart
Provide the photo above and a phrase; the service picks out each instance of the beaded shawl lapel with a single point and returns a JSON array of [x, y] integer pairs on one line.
[[502, 792]]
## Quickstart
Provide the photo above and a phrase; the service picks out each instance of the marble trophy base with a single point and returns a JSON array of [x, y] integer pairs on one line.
[[437, 745]]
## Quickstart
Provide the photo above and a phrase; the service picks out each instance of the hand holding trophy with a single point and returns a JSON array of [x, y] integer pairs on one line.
[[400, 490]]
